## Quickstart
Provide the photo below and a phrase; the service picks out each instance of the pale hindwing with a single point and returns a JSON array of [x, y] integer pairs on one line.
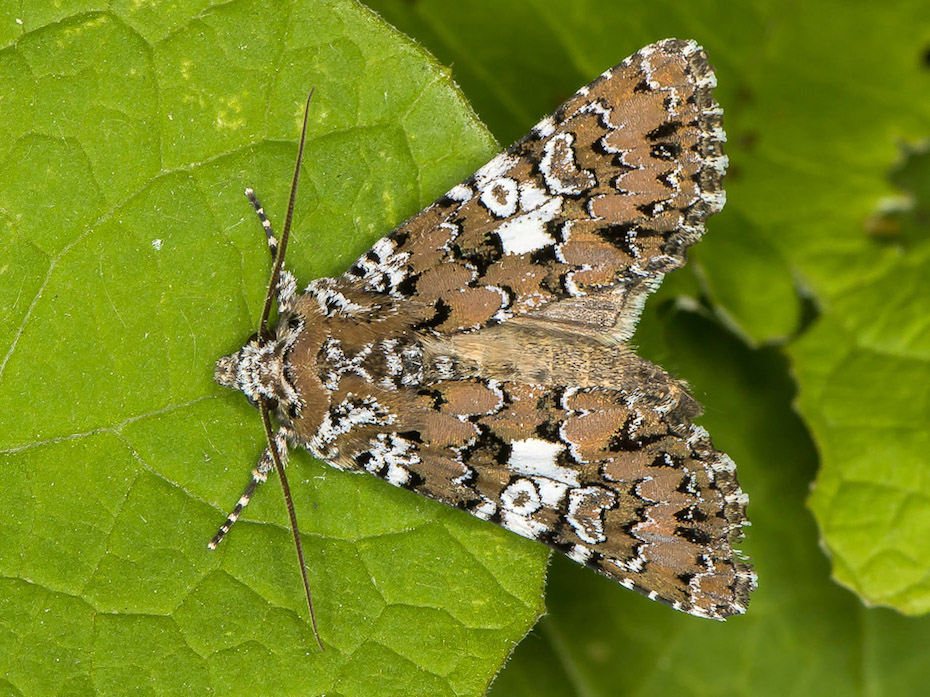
[[581, 219]]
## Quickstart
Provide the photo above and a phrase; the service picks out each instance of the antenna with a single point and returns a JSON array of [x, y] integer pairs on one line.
[[279, 466], [263, 407], [282, 247]]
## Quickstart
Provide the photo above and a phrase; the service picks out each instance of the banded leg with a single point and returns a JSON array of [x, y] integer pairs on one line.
[[259, 475], [287, 284], [266, 224]]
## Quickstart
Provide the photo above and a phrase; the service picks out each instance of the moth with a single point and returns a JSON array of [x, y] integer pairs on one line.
[[478, 353]]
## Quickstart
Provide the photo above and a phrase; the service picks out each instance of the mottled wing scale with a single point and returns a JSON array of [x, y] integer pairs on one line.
[[616, 477], [476, 354], [592, 207], [602, 479], [563, 236]]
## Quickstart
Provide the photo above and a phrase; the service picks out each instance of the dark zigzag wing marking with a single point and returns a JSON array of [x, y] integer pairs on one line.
[[592, 207], [620, 482]]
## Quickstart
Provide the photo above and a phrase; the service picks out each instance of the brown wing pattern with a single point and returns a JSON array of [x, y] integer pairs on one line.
[[621, 482], [592, 207], [475, 355]]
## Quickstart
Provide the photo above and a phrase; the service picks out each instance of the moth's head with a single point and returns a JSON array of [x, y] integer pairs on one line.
[[228, 369], [258, 371]]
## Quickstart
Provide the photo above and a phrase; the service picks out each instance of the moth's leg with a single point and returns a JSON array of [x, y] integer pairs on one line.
[[287, 284], [259, 475], [266, 224]]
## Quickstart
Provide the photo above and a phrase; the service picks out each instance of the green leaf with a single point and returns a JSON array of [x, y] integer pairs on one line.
[[861, 365], [129, 262]]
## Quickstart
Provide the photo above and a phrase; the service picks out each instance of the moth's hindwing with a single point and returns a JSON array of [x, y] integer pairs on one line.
[[476, 354]]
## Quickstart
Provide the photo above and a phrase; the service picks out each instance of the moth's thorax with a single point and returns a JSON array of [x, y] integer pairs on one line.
[[303, 368]]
